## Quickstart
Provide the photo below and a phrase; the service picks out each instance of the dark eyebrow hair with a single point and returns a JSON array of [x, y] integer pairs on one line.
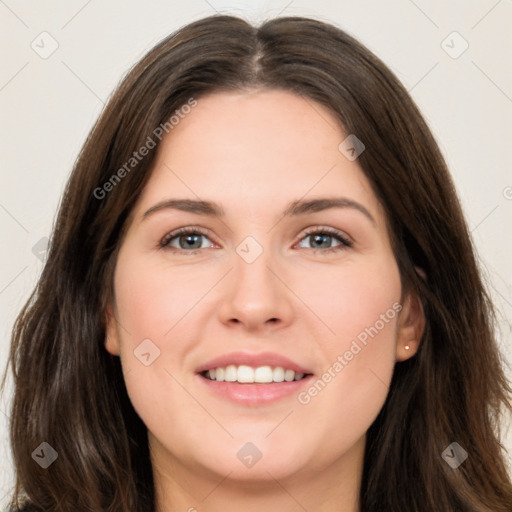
[[300, 207]]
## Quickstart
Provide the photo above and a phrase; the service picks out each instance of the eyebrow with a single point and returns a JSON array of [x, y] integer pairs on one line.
[[295, 208]]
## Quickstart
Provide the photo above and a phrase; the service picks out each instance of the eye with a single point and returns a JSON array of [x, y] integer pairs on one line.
[[187, 239], [321, 238]]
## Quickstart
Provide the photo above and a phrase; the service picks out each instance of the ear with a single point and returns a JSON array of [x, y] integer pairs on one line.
[[112, 344], [411, 325]]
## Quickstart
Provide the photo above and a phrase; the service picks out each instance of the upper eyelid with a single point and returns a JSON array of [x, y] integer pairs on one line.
[[185, 230], [333, 231]]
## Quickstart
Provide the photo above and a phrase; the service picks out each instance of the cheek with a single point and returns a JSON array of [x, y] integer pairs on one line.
[[345, 400], [361, 306], [155, 308], [367, 328], [152, 299], [352, 297]]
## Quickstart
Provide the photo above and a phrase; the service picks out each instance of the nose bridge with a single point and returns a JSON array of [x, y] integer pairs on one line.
[[252, 268], [255, 295]]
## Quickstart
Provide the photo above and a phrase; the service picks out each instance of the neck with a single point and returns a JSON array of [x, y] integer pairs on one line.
[[182, 488]]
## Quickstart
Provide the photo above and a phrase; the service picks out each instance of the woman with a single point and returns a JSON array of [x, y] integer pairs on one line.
[[255, 370]]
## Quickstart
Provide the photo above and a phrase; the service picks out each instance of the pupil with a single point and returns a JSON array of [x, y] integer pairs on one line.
[[319, 237]]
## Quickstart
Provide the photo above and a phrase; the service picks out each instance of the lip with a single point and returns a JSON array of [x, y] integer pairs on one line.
[[254, 360], [254, 394]]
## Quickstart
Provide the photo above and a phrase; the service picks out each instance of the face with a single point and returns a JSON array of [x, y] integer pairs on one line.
[[263, 339]]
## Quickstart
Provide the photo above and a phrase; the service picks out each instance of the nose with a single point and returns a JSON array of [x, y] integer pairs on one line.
[[255, 295]]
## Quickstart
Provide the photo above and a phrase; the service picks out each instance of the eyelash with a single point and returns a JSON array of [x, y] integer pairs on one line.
[[345, 242]]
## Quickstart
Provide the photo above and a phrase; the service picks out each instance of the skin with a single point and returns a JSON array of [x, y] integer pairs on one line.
[[253, 153]]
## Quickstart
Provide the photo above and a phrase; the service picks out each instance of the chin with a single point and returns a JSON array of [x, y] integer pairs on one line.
[[260, 460]]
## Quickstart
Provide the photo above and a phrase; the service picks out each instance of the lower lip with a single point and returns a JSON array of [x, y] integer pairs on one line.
[[255, 394]]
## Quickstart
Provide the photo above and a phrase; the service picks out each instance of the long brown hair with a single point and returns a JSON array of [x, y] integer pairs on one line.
[[70, 393]]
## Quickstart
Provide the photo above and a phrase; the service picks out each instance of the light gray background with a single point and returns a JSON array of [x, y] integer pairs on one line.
[[49, 104]]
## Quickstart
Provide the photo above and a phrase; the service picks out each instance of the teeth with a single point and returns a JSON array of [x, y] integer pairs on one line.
[[230, 374], [263, 374], [247, 374], [278, 374], [289, 375]]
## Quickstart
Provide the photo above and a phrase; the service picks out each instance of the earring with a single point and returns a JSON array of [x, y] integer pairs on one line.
[[407, 347]]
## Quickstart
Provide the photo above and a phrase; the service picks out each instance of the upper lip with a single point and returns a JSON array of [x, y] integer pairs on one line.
[[253, 359]]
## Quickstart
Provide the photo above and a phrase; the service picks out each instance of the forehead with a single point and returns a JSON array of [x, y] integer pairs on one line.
[[255, 150]]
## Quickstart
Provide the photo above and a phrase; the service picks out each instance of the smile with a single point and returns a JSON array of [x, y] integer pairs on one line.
[[253, 379]]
